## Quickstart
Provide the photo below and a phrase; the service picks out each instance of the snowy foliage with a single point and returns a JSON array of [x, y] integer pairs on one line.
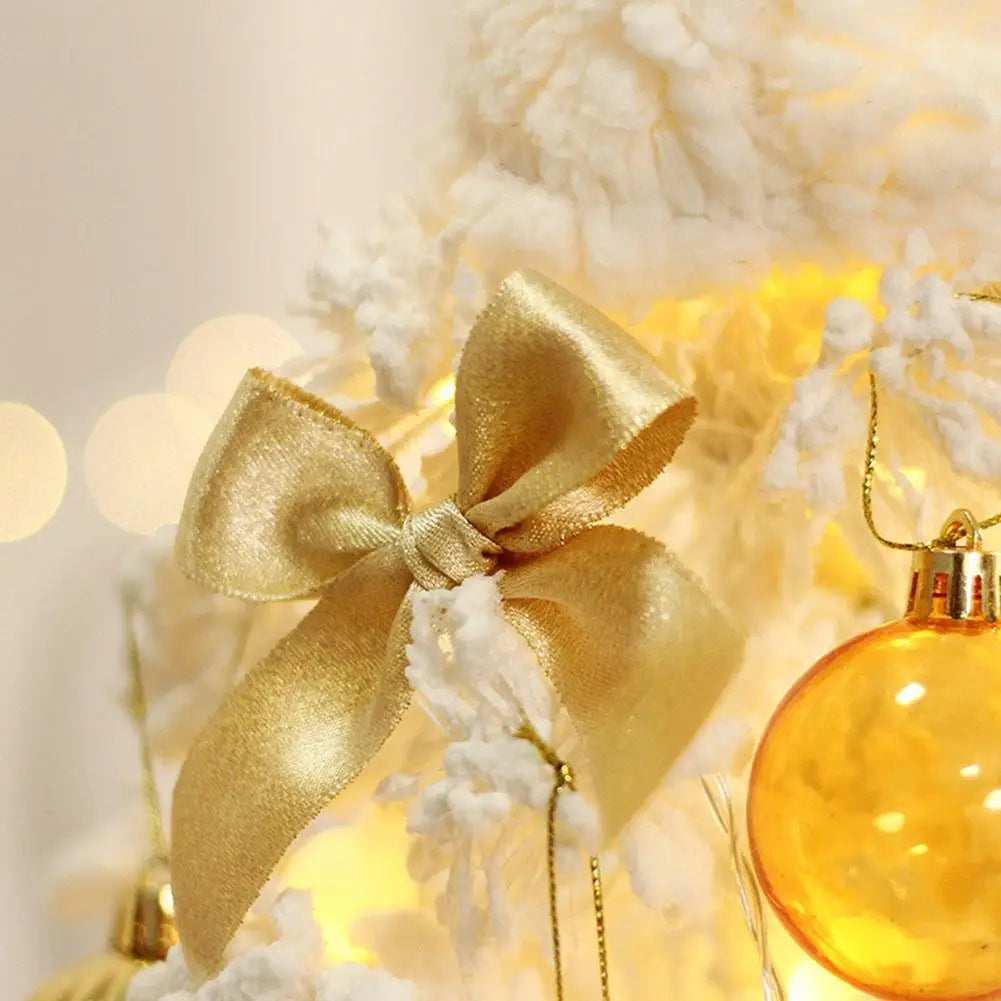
[[478, 828], [398, 288], [287, 965], [640, 149], [935, 353]]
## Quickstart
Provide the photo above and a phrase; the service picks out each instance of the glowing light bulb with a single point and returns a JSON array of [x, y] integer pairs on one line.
[[442, 392], [353, 871]]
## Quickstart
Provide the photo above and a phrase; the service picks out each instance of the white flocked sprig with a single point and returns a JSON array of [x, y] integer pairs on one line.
[[936, 357], [479, 828]]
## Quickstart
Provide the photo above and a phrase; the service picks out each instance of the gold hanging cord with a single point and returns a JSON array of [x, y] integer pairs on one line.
[[960, 525], [564, 779], [139, 712]]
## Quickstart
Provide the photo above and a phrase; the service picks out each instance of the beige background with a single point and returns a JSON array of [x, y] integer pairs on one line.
[[163, 162]]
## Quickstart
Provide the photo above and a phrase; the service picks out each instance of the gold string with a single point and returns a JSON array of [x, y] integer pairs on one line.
[[564, 779], [139, 711], [953, 532], [720, 803]]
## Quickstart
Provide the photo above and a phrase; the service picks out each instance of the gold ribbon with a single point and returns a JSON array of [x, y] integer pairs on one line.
[[560, 419]]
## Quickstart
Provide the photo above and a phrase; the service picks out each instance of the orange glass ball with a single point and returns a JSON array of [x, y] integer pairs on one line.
[[874, 810]]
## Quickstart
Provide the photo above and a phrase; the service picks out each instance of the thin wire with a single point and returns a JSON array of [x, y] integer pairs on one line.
[[563, 778], [872, 442], [953, 532], [138, 705], [554, 914], [720, 803]]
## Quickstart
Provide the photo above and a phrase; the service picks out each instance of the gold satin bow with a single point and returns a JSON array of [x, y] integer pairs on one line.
[[560, 418]]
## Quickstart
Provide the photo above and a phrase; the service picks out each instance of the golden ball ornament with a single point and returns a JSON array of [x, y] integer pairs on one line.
[[101, 978], [143, 933], [874, 805]]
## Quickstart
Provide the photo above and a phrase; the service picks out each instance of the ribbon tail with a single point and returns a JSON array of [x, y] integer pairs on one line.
[[294, 733], [636, 649]]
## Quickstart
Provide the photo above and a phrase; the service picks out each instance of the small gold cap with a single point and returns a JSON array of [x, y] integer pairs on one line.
[[145, 929], [954, 578]]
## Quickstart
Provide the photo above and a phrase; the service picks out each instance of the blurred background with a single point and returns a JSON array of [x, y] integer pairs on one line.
[[164, 162]]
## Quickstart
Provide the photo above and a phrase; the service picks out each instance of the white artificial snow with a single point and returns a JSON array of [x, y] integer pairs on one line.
[[936, 355], [478, 680], [289, 966], [670, 865], [669, 859], [639, 150], [396, 287], [354, 982]]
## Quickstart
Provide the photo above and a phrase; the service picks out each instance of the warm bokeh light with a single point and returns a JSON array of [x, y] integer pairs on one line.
[[212, 359], [140, 456], [353, 871], [785, 313], [837, 566], [32, 471], [442, 392]]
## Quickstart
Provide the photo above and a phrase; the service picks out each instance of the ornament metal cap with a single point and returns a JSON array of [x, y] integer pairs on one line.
[[954, 578], [145, 929], [142, 934]]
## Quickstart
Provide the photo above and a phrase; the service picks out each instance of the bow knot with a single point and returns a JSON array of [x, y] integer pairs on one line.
[[560, 418], [442, 548]]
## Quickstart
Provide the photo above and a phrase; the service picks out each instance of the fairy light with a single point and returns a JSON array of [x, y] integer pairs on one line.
[[442, 392], [352, 871], [786, 308], [810, 982]]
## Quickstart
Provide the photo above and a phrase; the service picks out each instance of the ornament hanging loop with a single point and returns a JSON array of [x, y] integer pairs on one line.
[[960, 526]]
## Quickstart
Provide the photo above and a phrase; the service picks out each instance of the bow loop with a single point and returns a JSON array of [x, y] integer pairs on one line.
[[288, 493], [581, 420], [441, 548]]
